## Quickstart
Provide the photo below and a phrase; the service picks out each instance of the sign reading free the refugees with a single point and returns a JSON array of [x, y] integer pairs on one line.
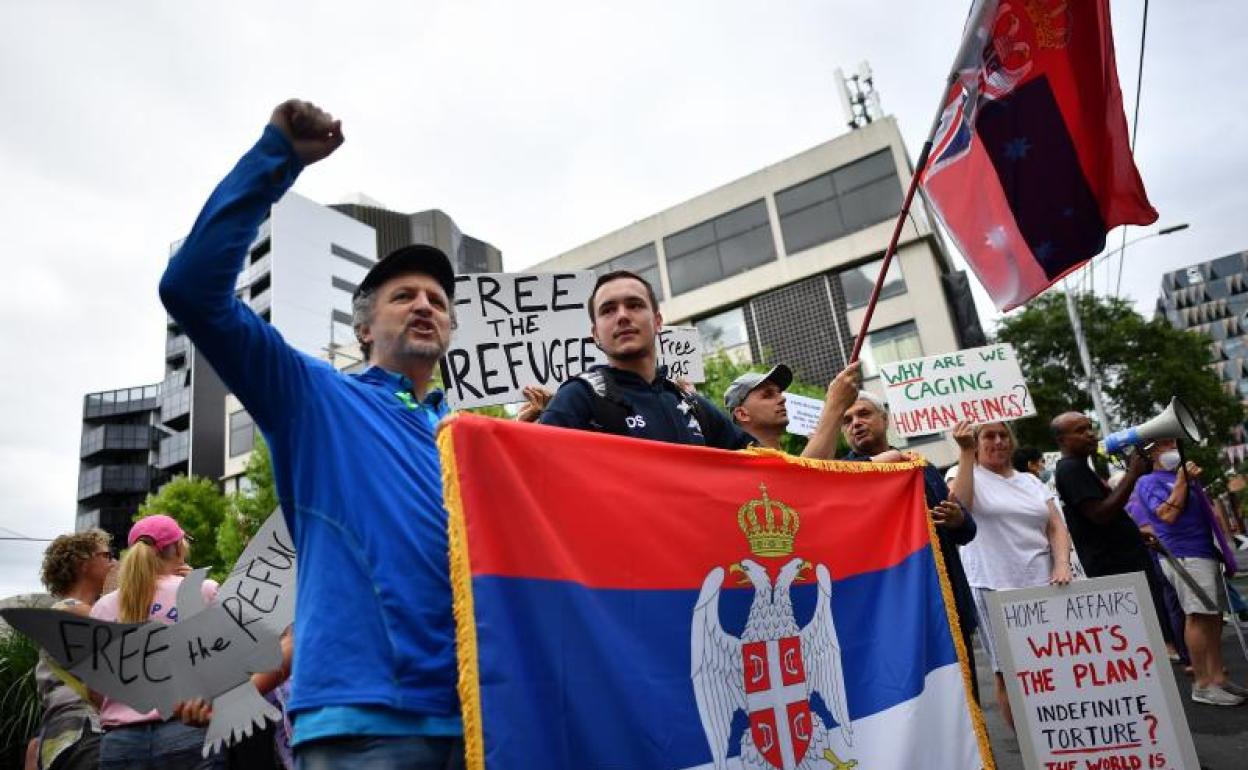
[[521, 329], [979, 385]]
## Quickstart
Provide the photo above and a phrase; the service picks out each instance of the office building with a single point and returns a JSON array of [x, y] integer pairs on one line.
[[1212, 298], [117, 457], [779, 265]]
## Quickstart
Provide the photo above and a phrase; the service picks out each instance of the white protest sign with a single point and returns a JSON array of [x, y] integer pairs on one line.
[[930, 395], [521, 329], [803, 413], [680, 350], [209, 653], [1088, 679]]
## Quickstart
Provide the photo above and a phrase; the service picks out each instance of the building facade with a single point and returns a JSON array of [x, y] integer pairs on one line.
[[779, 265], [117, 457], [300, 273], [1212, 298]]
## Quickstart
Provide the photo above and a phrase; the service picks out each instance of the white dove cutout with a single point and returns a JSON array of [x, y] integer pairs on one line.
[[770, 673], [209, 653]]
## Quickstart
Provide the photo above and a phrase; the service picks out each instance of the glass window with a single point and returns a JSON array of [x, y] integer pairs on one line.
[[722, 247], [857, 282], [840, 201], [894, 343], [870, 203], [726, 332], [643, 261], [862, 172], [1227, 266], [242, 433]]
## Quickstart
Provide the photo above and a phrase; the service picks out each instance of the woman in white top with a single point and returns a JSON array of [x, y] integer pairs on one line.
[[1022, 540]]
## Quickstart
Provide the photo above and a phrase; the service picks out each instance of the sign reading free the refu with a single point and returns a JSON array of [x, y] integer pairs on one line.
[[519, 329], [977, 385]]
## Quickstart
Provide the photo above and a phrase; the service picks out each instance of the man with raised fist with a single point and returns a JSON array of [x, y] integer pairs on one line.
[[356, 468]]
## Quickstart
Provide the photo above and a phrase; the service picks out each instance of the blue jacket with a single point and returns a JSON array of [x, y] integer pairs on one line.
[[658, 412], [356, 468]]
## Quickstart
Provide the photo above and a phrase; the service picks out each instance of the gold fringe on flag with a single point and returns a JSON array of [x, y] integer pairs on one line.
[[469, 682]]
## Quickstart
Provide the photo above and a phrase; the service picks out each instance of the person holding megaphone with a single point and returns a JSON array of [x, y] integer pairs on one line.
[[1105, 536], [1106, 539], [1181, 517]]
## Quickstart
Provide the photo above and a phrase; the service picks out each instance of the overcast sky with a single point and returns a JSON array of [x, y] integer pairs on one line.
[[537, 126]]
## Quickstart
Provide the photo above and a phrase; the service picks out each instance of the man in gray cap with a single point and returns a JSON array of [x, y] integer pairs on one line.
[[755, 401]]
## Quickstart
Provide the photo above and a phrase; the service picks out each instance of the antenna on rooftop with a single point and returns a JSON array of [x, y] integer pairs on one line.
[[859, 100]]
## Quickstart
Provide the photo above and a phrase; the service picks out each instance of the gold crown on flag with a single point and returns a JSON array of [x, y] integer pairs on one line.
[[1051, 19], [769, 525]]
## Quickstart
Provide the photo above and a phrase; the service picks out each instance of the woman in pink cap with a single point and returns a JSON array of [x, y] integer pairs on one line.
[[147, 590]]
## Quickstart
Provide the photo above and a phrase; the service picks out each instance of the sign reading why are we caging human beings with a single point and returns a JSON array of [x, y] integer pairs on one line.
[[978, 385], [521, 329]]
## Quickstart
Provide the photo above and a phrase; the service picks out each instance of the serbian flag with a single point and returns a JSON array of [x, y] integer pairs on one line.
[[1030, 164], [638, 605]]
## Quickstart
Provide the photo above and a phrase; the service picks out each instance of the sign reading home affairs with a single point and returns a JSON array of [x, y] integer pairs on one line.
[[521, 329], [978, 385], [1087, 676]]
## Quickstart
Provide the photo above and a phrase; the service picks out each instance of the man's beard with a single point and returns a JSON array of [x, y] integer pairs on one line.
[[420, 350]]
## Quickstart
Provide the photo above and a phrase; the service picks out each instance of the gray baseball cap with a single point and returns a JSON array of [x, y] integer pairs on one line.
[[736, 393]]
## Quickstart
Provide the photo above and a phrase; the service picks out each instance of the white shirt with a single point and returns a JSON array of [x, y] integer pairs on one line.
[[1011, 545]]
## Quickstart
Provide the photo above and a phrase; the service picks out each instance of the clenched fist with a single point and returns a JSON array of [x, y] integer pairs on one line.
[[313, 132]]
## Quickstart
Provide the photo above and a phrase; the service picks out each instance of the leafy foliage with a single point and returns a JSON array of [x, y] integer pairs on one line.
[[1142, 364], [199, 508], [248, 508], [20, 709]]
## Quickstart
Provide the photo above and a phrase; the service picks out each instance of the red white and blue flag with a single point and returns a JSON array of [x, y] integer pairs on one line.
[[634, 604], [1030, 164]]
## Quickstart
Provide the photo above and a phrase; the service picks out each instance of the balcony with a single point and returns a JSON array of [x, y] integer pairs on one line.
[[262, 302], [114, 520], [118, 402], [174, 450], [105, 440], [113, 480], [175, 408], [176, 347]]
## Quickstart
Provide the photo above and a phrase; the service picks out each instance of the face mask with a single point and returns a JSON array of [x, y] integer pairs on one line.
[[1169, 460], [1045, 475]]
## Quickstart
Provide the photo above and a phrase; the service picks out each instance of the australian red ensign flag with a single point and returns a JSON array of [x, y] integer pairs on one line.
[[1030, 164]]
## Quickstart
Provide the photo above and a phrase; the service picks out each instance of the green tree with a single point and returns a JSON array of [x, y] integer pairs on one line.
[[20, 707], [249, 507], [1142, 364], [199, 508]]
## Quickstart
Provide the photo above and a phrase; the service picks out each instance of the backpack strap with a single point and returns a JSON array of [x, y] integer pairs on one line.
[[609, 411], [697, 408]]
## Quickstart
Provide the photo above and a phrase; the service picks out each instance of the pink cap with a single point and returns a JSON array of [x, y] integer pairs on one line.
[[162, 530]]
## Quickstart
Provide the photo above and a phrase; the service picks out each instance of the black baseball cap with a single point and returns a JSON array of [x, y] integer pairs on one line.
[[418, 258]]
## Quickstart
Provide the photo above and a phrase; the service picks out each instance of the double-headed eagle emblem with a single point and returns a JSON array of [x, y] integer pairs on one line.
[[771, 672]]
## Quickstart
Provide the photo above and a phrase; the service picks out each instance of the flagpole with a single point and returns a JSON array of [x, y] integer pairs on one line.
[[971, 38], [892, 244]]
